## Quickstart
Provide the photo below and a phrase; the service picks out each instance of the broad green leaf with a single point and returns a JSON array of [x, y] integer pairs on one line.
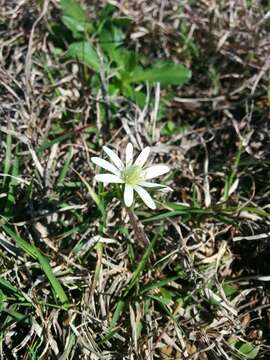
[[74, 10], [126, 61], [76, 26], [75, 17], [122, 21], [139, 97], [84, 52], [111, 38], [166, 73]]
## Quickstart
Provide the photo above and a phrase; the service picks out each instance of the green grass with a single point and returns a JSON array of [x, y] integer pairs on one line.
[[78, 278]]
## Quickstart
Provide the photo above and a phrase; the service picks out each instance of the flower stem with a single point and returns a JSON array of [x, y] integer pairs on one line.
[[138, 229]]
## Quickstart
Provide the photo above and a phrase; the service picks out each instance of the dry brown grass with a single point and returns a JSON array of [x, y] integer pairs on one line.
[[224, 116]]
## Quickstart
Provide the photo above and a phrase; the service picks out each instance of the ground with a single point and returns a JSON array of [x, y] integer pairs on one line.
[[82, 276]]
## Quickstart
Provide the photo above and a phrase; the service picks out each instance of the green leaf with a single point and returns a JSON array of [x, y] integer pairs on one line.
[[249, 350], [49, 143], [8, 156], [159, 284], [84, 52], [75, 18], [12, 191], [166, 73], [46, 267], [113, 324], [126, 61], [117, 313], [65, 168], [7, 286], [16, 315], [162, 302], [74, 10], [161, 299], [69, 346], [95, 197], [229, 289], [76, 26], [111, 38], [169, 129], [33, 251], [256, 211], [2, 301], [141, 266], [186, 208], [139, 97], [165, 215]]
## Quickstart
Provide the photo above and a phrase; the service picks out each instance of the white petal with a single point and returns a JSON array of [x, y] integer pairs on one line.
[[155, 171], [150, 185], [129, 154], [128, 195], [146, 198], [166, 189], [141, 159], [114, 158], [108, 178], [105, 165]]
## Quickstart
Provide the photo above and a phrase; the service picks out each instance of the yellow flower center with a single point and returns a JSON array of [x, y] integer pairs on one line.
[[132, 175]]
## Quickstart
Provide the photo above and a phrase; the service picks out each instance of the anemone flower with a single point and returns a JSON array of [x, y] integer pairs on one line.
[[131, 175]]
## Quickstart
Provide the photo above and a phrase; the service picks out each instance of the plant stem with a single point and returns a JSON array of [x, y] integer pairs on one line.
[[138, 229]]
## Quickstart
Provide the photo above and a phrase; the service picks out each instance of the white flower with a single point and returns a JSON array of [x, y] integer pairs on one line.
[[133, 175]]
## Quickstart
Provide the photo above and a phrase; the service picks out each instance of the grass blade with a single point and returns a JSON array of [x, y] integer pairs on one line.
[[43, 261]]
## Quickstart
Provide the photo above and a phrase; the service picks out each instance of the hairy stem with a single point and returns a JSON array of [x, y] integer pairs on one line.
[[138, 229]]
